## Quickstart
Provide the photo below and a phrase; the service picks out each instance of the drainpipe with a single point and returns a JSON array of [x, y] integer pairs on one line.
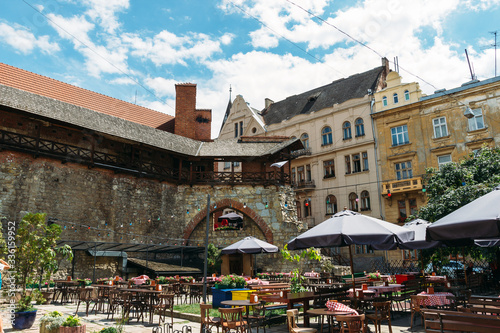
[[372, 102]]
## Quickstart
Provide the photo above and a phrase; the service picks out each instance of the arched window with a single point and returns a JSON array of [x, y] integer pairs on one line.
[[395, 98], [407, 95], [347, 130], [365, 201], [305, 140], [326, 135], [353, 202], [360, 127], [384, 101], [307, 208], [331, 205]]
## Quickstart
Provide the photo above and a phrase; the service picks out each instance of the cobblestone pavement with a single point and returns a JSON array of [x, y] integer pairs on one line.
[[400, 322]]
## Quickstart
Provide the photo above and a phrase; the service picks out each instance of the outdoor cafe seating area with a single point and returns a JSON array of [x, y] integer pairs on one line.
[[331, 304]]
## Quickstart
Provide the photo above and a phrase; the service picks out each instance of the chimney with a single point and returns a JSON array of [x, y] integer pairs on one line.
[[268, 102], [189, 122]]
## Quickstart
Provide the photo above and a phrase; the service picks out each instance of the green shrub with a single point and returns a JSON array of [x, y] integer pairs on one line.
[[72, 321]]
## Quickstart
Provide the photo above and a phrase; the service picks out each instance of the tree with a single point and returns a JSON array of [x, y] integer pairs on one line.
[[455, 185], [297, 280], [213, 259], [36, 248]]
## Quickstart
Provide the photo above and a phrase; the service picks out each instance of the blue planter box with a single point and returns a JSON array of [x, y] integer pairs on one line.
[[219, 295]]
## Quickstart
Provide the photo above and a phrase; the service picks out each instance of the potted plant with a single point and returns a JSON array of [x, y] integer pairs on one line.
[[25, 313], [72, 324], [51, 322]]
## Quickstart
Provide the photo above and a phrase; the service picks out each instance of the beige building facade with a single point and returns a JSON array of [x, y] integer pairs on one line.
[[337, 167]]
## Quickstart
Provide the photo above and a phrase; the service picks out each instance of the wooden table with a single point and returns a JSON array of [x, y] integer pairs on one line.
[[329, 314], [436, 299], [64, 289], [290, 302], [244, 302], [151, 294]]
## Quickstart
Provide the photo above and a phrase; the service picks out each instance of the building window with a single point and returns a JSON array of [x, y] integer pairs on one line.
[[353, 202], [407, 95], [241, 128], [307, 208], [227, 165], [294, 176], [331, 205], [403, 170], [305, 140], [440, 128], [363, 249], [402, 211], [365, 201], [347, 130], [384, 101], [476, 122], [236, 164], [413, 206], [356, 163], [443, 159], [410, 255], [308, 173], [300, 173], [400, 135], [347, 164], [365, 161], [395, 98], [299, 209], [360, 127], [326, 135], [329, 169], [236, 130]]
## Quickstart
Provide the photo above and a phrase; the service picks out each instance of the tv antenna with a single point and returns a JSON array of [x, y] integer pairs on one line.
[[472, 75]]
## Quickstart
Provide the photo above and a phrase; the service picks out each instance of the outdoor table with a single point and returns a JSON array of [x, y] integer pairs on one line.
[[436, 299], [386, 289], [64, 288], [368, 292], [291, 301], [329, 314]]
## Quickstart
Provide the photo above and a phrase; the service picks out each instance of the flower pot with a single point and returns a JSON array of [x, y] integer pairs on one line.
[[24, 320], [74, 329], [48, 295], [44, 329]]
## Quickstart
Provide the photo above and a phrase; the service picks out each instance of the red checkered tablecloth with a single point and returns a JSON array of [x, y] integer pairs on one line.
[[336, 306], [436, 299]]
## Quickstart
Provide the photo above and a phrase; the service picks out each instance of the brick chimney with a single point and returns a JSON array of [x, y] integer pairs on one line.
[[189, 122]]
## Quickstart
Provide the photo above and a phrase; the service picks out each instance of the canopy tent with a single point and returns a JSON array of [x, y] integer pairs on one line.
[[479, 219], [348, 227]]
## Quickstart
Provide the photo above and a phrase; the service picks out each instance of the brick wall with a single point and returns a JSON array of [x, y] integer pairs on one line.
[[185, 105]]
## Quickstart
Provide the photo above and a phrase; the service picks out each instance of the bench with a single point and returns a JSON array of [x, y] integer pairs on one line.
[[452, 321]]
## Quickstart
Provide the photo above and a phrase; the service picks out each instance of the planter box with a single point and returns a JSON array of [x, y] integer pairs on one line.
[[75, 329], [241, 294], [219, 295]]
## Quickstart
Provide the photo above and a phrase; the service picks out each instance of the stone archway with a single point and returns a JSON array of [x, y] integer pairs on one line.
[[225, 203]]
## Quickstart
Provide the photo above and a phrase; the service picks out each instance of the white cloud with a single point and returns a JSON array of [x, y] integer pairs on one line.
[[105, 12], [24, 41], [161, 86], [168, 48]]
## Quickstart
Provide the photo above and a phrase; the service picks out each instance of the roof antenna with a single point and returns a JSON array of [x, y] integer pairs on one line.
[[494, 45], [230, 90], [396, 64], [472, 75]]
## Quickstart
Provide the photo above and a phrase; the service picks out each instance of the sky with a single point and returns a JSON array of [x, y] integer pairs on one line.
[[137, 51]]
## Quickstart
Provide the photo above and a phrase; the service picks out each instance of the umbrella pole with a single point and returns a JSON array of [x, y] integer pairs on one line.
[[352, 273]]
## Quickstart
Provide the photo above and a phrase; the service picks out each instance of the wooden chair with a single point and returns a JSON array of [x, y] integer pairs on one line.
[[292, 323], [208, 322], [165, 307], [416, 307], [257, 317], [352, 323], [382, 311], [115, 302], [85, 295], [232, 320]]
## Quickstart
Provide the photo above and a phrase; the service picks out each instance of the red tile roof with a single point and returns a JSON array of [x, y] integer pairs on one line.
[[45, 86]]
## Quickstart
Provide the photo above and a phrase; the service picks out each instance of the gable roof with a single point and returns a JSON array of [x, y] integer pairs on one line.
[[45, 86], [337, 92]]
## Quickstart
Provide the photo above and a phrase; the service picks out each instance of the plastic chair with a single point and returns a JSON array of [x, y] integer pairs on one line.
[[292, 323], [352, 323], [232, 320], [208, 322], [382, 311]]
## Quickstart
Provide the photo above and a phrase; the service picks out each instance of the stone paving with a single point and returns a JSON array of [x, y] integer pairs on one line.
[[400, 323]]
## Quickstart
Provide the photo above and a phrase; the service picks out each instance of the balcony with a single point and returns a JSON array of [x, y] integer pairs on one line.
[[402, 185], [308, 220], [301, 152], [304, 185]]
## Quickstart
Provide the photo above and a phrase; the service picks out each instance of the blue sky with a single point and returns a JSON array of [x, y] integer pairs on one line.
[[138, 50]]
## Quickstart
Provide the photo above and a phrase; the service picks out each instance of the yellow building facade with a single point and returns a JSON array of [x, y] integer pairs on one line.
[[415, 132]]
